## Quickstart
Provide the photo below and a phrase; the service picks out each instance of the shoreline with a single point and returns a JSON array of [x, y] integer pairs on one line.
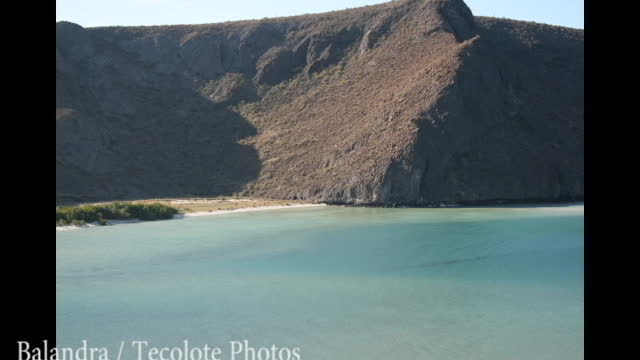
[[555, 206], [192, 214], [247, 209]]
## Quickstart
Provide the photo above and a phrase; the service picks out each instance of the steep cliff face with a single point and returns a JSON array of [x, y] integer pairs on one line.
[[124, 130], [408, 102]]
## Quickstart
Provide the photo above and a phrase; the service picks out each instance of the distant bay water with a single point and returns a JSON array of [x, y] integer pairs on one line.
[[336, 282]]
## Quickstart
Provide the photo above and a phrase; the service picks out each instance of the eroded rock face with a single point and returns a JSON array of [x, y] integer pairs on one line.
[[408, 102]]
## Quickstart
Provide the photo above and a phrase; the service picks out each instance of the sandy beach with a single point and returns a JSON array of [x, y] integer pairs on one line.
[[248, 209], [94, 224]]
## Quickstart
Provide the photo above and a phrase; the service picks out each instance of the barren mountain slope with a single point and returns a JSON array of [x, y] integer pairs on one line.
[[407, 102]]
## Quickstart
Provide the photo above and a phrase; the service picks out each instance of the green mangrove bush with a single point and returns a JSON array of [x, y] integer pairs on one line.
[[75, 215]]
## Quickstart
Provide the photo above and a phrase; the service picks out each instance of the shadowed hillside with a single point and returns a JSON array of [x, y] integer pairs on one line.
[[407, 102]]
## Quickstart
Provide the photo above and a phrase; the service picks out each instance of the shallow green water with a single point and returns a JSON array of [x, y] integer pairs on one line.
[[339, 283]]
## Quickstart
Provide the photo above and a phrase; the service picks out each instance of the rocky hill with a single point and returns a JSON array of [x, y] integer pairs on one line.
[[408, 102]]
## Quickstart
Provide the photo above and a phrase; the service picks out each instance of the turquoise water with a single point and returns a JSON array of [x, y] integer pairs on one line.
[[337, 282]]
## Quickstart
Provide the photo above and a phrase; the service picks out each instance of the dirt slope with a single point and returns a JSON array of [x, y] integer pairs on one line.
[[407, 102]]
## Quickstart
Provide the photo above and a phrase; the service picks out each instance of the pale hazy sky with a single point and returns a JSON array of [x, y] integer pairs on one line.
[[90, 13]]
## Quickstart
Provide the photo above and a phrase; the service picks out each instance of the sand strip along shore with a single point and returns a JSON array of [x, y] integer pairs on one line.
[[257, 208], [191, 214], [95, 224]]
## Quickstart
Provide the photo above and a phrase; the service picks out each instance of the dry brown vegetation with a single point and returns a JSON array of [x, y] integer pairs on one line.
[[189, 205]]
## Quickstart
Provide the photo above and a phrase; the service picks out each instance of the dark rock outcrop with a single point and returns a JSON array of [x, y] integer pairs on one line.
[[408, 102]]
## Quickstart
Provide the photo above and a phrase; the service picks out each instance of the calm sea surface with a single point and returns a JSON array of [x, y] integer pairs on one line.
[[339, 283]]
